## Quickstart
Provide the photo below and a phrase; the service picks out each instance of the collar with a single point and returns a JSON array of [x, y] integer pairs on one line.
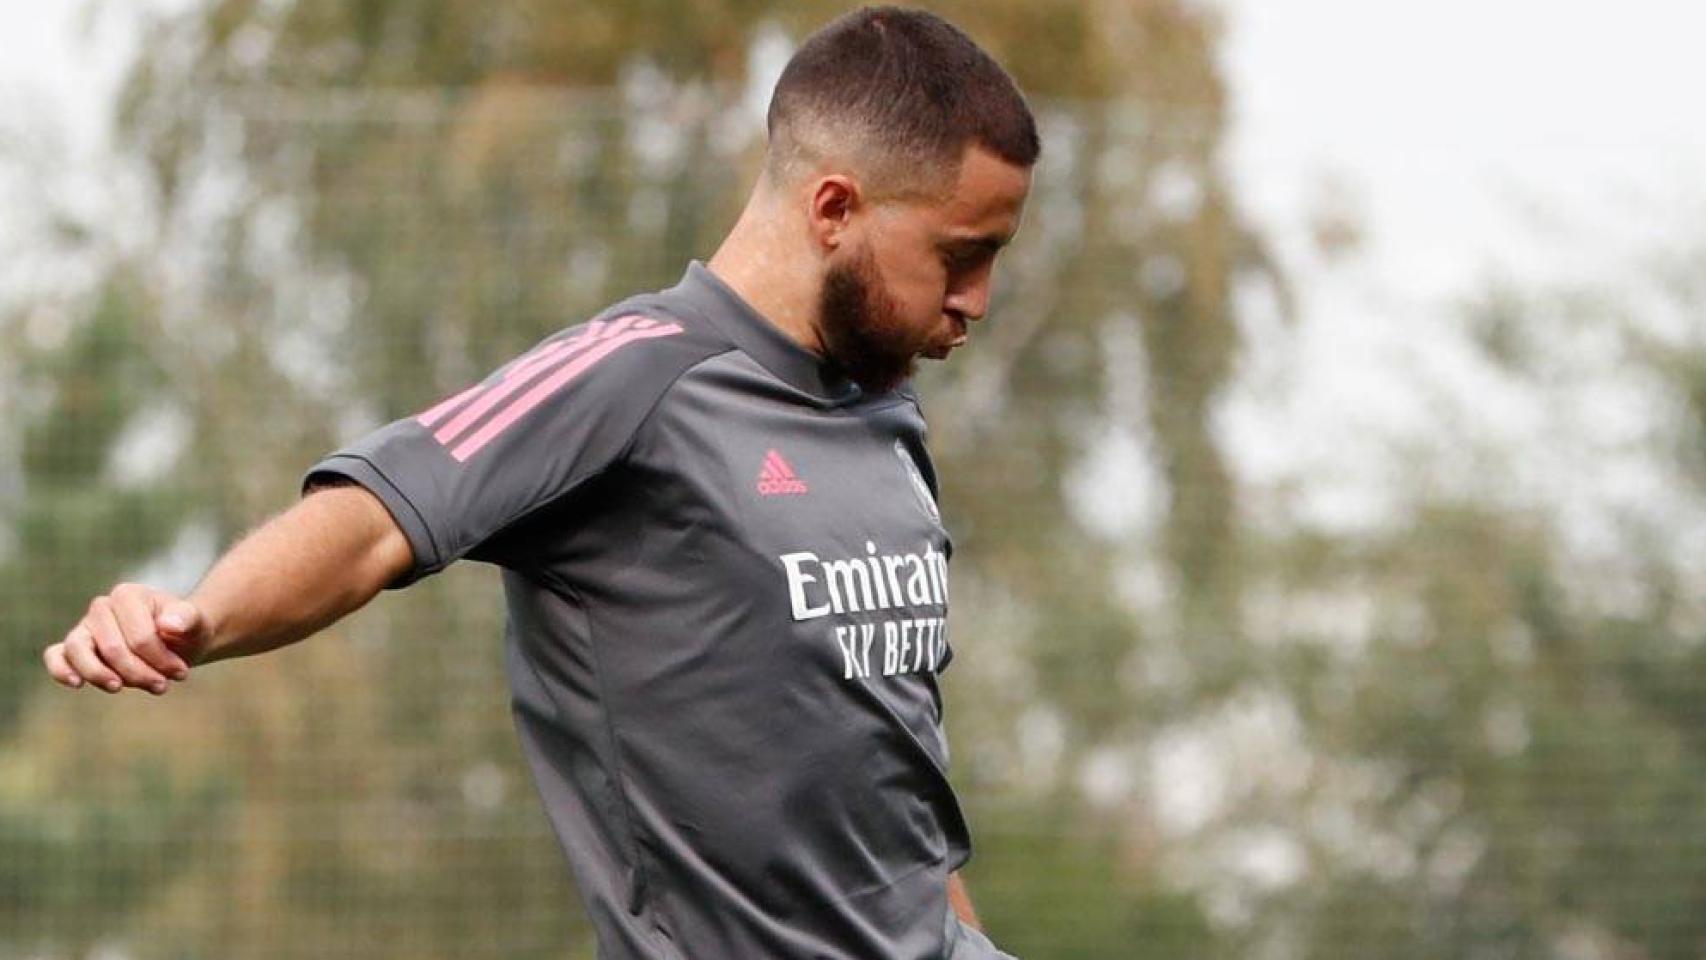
[[761, 338]]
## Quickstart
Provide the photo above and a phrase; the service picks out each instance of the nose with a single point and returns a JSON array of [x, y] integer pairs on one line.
[[969, 300]]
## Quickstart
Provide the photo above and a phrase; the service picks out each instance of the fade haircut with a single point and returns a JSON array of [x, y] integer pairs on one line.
[[898, 94]]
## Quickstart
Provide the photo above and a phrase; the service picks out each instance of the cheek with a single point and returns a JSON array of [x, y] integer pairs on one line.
[[915, 310], [915, 287]]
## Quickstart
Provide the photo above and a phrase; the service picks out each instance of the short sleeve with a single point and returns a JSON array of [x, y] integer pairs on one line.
[[460, 472]]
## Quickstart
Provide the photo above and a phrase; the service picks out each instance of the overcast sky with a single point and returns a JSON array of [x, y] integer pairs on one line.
[[1436, 112], [1525, 140]]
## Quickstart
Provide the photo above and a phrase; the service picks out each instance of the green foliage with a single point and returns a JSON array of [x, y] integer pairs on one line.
[[1473, 749], [1521, 724], [106, 856], [1046, 889], [422, 190]]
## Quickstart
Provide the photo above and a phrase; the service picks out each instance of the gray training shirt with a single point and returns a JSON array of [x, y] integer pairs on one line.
[[727, 587]]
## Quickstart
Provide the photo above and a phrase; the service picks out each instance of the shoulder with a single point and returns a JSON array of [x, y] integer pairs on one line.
[[598, 376], [634, 347]]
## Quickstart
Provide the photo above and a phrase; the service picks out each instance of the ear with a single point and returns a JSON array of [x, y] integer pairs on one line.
[[833, 202]]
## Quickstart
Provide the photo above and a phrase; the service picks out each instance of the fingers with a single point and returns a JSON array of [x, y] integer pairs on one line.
[[116, 650], [79, 652], [59, 667], [134, 608], [118, 643]]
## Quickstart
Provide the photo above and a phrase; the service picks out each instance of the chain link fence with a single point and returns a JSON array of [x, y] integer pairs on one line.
[[1186, 720]]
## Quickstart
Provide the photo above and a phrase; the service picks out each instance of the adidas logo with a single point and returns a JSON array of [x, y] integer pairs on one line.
[[776, 478]]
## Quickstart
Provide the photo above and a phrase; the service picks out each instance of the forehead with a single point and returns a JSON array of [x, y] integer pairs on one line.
[[985, 200]]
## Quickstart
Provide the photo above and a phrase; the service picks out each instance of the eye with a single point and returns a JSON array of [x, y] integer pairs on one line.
[[963, 259]]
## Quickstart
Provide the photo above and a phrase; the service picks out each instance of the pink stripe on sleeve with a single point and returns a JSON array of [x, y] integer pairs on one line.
[[526, 371], [545, 388], [432, 416], [520, 366]]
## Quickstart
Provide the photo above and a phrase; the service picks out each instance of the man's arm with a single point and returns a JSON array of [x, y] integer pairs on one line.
[[298, 573], [961, 901]]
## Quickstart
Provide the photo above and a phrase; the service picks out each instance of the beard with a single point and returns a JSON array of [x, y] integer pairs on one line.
[[862, 331]]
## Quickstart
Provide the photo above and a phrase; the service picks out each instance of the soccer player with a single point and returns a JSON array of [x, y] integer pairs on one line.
[[725, 571]]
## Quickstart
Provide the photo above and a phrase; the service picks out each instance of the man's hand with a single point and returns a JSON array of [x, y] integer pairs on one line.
[[135, 636], [321, 559]]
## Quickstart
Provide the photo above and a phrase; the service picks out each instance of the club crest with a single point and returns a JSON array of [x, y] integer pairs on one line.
[[919, 487]]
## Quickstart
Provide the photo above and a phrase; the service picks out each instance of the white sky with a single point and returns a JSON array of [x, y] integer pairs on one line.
[[1476, 139], [58, 67], [1444, 111]]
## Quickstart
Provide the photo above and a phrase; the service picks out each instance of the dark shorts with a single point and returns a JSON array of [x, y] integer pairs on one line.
[[964, 943]]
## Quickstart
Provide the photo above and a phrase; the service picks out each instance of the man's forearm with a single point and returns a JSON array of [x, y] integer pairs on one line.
[[299, 572]]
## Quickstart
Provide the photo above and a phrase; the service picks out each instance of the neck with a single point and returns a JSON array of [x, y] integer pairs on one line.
[[760, 260]]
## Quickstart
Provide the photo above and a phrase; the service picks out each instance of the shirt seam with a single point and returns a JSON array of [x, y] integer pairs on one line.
[[650, 893], [648, 900], [634, 438], [616, 460]]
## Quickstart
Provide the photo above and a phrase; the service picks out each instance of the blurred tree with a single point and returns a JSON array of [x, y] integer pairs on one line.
[[99, 490], [78, 520], [1505, 742], [379, 200], [1462, 733]]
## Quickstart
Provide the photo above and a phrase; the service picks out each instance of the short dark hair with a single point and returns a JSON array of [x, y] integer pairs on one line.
[[904, 89]]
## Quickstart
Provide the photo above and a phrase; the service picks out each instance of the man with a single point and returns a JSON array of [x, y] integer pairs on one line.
[[725, 571]]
